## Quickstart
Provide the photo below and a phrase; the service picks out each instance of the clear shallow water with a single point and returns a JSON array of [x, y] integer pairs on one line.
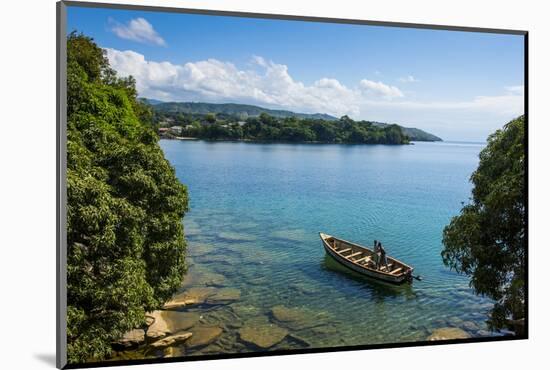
[[256, 210]]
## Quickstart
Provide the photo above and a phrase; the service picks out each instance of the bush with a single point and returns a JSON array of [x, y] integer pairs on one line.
[[125, 241]]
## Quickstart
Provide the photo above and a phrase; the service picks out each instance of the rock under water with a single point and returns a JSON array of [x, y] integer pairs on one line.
[[171, 340], [191, 296], [224, 296], [448, 333], [203, 335], [295, 317], [170, 322], [261, 333]]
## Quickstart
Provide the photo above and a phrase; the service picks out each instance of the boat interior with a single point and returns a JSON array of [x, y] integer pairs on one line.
[[364, 257]]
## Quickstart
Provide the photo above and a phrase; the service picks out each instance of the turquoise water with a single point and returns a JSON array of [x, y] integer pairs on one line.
[[255, 214]]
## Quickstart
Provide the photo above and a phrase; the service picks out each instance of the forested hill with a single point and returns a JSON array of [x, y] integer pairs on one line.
[[241, 112], [415, 134]]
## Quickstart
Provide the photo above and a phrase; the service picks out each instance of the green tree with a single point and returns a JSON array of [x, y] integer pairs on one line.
[[394, 135], [324, 131], [487, 240], [125, 241], [210, 117], [292, 129]]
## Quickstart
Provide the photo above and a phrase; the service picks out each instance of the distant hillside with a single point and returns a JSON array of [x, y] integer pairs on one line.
[[415, 134], [152, 101], [243, 111]]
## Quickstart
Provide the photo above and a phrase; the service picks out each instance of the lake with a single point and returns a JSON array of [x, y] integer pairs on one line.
[[255, 214]]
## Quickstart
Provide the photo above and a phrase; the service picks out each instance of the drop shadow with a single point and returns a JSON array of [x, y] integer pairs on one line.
[[46, 358]]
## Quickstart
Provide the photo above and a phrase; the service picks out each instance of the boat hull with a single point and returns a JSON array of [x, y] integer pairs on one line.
[[394, 279]]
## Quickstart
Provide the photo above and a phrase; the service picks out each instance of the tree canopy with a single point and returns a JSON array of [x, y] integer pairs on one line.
[[229, 115], [487, 241], [125, 241], [266, 127]]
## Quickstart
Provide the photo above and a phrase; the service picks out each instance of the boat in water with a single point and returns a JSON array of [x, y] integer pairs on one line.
[[363, 260]]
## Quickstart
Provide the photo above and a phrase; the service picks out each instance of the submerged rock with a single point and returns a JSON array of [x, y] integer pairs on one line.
[[262, 333], [324, 330], [258, 281], [295, 318], [131, 339], [203, 335], [484, 333], [301, 341], [191, 296], [229, 260], [245, 310], [222, 316], [196, 250], [257, 256], [303, 288], [454, 321], [244, 225], [171, 340], [293, 235], [470, 326], [241, 237], [170, 322], [448, 333], [224, 296], [211, 279]]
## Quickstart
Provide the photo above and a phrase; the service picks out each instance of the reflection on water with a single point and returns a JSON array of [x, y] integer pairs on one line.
[[379, 290], [257, 268]]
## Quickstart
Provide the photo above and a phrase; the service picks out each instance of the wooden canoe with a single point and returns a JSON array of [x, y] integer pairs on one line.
[[363, 260]]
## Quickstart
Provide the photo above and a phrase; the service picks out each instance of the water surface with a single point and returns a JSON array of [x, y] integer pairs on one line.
[[255, 214]]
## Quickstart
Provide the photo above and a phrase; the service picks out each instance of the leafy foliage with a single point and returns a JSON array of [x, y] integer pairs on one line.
[[125, 237], [184, 114], [487, 240], [291, 129]]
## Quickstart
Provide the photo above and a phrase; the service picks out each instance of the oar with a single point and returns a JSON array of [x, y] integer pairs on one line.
[[417, 277]]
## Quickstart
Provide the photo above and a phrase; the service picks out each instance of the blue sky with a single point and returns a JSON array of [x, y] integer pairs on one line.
[[458, 85]]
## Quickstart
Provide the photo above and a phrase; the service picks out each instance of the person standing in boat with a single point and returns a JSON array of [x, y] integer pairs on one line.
[[375, 255], [382, 256]]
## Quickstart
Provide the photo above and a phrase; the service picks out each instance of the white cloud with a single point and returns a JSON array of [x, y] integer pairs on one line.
[[259, 61], [215, 80], [380, 89], [471, 120], [505, 105], [269, 84], [517, 90], [139, 30], [408, 78]]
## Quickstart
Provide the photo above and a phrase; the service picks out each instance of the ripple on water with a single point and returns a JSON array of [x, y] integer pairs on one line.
[[254, 227]]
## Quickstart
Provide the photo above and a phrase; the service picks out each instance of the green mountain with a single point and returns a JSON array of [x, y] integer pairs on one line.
[[240, 110], [244, 111]]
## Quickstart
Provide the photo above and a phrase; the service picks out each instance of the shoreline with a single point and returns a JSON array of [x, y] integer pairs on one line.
[[188, 138]]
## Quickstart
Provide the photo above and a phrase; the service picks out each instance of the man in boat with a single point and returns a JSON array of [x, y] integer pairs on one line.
[[376, 255], [381, 256]]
